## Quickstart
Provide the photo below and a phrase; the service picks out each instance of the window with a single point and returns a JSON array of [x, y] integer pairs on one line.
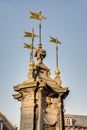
[[68, 120]]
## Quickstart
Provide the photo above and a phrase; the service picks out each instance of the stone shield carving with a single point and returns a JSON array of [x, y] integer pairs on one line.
[[50, 116]]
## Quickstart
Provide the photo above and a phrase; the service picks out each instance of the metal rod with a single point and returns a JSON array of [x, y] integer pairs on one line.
[[30, 55], [40, 32], [56, 55], [32, 41]]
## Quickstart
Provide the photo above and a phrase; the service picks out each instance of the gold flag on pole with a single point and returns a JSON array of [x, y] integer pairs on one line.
[[30, 35], [29, 46], [37, 16], [55, 40]]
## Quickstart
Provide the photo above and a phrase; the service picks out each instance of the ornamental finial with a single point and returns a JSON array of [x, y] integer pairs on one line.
[[30, 46], [55, 40], [38, 16]]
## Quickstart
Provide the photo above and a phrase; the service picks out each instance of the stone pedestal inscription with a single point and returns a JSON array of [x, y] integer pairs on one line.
[[27, 111], [27, 119]]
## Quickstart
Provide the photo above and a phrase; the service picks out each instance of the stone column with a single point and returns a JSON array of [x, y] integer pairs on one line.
[[40, 115], [61, 123], [27, 111]]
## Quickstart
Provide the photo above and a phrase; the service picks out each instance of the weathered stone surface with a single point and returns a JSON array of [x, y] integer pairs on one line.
[[27, 118], [41, 98]]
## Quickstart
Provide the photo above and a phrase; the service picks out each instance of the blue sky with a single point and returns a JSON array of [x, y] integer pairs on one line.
[[67, 20]]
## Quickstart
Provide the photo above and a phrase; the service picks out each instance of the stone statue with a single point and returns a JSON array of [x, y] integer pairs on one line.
[[40, 54]]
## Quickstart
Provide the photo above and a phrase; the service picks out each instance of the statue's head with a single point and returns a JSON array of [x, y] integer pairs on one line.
[[39, 45]]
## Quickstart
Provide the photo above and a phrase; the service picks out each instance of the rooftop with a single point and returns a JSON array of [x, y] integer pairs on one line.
[[78, 120]]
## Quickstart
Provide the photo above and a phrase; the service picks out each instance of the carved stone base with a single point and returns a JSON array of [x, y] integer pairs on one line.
[[49, 128], [27, 118]]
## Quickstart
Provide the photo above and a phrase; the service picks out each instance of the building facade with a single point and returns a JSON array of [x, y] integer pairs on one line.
[[5, 124], [75, 122]]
